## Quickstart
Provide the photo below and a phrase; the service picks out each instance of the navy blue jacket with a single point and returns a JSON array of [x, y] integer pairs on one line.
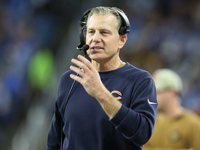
[[86, 125]]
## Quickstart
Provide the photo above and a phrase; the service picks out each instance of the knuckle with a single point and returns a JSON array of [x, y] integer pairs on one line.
[[82, 65]]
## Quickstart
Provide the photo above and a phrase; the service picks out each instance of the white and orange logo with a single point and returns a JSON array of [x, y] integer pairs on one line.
[[117, 94]]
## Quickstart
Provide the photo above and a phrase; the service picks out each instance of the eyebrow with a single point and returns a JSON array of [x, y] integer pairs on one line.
[[102, 29]]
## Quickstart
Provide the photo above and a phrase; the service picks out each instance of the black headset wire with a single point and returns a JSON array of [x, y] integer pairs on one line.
[[63, 111], [84, 48]]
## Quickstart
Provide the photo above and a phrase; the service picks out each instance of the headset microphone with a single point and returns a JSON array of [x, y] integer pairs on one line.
[[85, 48]]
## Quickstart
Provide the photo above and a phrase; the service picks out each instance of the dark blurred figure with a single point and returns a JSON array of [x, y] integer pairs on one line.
[[176, 128]]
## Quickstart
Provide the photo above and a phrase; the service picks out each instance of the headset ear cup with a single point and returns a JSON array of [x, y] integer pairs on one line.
[[84, 33], [122, 30], [83, 29]]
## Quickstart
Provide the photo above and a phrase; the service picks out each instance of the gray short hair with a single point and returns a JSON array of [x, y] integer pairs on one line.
[[107, 10]]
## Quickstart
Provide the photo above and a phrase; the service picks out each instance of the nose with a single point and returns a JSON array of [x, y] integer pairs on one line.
[[96, 37]]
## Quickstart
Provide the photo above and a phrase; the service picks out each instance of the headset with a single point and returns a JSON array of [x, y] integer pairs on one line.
[[124, 28]]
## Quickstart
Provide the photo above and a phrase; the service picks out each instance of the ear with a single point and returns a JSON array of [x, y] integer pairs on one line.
[[123, 39]]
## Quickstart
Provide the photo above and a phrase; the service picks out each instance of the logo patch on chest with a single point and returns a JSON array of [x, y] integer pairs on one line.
[[117, 94], [174, 136]]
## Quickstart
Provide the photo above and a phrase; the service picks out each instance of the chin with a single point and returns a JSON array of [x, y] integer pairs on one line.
[[95, 57]]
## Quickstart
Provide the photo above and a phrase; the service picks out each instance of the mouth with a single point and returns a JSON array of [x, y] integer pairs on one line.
[[96, 48]]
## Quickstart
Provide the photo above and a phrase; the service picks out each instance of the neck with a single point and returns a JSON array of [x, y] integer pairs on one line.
[[107, 66]]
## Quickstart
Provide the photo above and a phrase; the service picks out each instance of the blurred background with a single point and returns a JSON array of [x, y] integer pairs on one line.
[[38, 38]]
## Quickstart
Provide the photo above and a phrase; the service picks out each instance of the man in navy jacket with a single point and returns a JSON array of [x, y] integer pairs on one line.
[[113, 104]]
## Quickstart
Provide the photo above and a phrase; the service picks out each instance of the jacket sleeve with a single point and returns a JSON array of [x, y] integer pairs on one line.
[[137, 122], [54, 135]]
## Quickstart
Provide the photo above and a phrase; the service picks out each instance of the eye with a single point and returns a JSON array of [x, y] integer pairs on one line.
[[91, 31], [104, 32]]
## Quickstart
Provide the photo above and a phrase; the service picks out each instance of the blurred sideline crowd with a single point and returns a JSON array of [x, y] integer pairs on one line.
[[163, 34]]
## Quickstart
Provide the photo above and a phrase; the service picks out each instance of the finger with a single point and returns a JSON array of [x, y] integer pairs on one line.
[[77, 70], [85, 61], [80, 64], [75, 77]]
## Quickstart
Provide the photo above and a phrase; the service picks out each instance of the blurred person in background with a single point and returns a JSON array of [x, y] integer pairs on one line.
[[41, 72], [113, 104], [176, 128]]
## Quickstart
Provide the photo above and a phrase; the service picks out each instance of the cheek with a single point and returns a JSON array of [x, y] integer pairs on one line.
[[87, 40], [114, 44]]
